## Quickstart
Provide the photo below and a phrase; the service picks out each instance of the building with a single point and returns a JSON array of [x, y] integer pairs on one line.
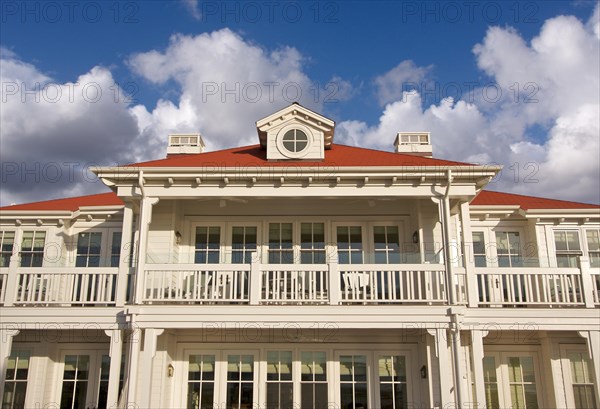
[[298, 273]]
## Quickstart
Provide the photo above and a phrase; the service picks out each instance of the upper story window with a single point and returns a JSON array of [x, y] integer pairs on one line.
[[568, 248], [312, 243], [7, 241], [281, 244], [479, 249], [295, 140], [115, 249], [508, 247], [350, 244], [243, 243], [386, 241], [32, 248], [208, 244], [593, 244], [89, 247]]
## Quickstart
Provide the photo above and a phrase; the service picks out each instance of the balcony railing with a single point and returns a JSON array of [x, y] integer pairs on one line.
[[66, 286], [301, 284], [530, 287]]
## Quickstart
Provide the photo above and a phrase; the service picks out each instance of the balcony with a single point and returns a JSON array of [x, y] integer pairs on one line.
[[303, 284]]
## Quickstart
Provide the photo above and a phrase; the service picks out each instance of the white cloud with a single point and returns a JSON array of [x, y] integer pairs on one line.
[[226, 84], [51, 132], [558, 68], [402, 77], [192, 6]]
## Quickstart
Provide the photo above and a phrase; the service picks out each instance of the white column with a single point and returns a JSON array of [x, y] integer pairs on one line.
[[13, 270], [255, 280], [7, 336], [478, 354], [133, 363], [147, 356], [335, 290], [587, 282], [115, 352], [468, 260], [446, 382], [145, 219], [125, 258], [593, 344]]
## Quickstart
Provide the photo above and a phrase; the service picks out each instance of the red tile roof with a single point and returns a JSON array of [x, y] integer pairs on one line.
[[489, 198], [338, 155], [69, 204]]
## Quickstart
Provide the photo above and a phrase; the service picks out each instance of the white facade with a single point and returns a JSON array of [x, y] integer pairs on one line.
[[263, 283]]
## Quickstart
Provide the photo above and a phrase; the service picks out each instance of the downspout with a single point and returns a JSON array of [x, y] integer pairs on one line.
[[454, 325]]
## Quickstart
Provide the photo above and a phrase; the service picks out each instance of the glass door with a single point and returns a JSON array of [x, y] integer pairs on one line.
[[84, 380]]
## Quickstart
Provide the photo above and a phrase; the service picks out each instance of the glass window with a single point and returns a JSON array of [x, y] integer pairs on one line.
[[521, 380], [240, 381], [208, 245], [349, 244], [32, 248], [15, 384], [582, 380], [89, 249], [279, 380], [295, 140], [508, 246], [568, 248], [243, 244], [313, 381], [479, 249], [103, 382], [490, 381], [312, 243], [115, 249], [75, 382], [7, 241], [201, 382], [281, 250], [387, 244], [392, 380], [353, 381], [593, 243]]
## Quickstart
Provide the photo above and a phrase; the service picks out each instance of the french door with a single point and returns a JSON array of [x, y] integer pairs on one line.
[[512, 380], [221, 379], [84, 379]]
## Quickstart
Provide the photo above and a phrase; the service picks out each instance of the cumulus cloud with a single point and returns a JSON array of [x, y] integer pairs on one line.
[[226, 85], [192, 7], [51, 132], [555, 76], [391, 84]]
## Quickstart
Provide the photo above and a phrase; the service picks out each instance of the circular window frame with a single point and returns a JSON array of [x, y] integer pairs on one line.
[[290, 154]]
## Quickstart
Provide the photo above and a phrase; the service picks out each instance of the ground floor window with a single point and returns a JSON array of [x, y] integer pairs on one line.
[[297, 377], [15, 384], [582, 380]]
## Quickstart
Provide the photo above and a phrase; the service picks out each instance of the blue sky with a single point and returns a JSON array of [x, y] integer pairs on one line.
[[361, 55]]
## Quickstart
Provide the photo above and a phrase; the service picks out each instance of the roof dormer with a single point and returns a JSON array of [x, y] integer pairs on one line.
[[295, 132]]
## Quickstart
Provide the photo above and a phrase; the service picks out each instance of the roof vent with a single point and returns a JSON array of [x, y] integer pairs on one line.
[[185, 143], [414, 143]]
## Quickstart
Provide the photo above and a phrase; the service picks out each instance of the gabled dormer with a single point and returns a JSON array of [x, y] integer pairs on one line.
[[295, 132]]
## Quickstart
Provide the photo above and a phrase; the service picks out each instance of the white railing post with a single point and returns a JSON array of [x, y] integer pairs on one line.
[[467, 256], [335, 290], [255, 280], [587, 282]]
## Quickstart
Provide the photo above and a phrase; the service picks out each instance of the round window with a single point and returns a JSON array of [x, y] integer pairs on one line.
[[295, 140]]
